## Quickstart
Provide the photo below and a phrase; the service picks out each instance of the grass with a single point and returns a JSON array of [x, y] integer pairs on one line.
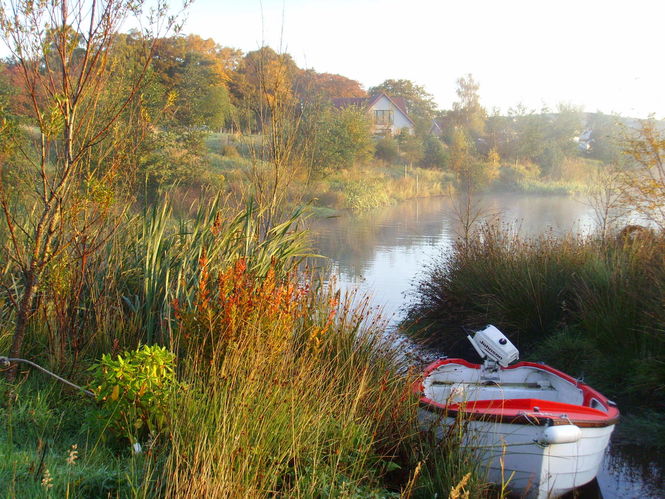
[[50, 449], [286, 388], [365, 188], [376, 184], [543, 187], [588, 305], [296, 406]]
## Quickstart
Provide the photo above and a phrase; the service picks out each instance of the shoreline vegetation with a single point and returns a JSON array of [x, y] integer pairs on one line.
[[156, 262], [589, 305], [269, 383], [379, 184]]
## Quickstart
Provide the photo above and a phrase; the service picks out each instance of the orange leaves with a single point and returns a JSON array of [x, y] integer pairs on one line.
[[269, 313]]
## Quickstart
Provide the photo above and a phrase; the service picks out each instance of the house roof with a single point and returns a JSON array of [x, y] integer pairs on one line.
[[342, 102], [368, 102]]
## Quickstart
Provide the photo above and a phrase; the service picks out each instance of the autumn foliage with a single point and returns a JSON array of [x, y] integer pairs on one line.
[[273, 313]]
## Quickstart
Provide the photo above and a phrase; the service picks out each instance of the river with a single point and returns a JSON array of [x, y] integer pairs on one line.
[[384, 252]]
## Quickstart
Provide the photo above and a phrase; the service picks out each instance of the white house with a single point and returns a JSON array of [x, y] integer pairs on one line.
[[388, 114]]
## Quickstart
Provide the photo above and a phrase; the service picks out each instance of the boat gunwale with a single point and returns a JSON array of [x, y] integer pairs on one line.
[[533, 419]]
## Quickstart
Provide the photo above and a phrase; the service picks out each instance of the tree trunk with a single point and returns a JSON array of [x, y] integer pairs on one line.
[[22, 317]]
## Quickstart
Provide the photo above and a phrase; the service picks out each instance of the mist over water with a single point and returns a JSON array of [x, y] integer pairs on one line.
[[382, 252], [385, 252]]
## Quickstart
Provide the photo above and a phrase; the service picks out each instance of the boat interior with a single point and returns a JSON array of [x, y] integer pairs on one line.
[[455, 383]]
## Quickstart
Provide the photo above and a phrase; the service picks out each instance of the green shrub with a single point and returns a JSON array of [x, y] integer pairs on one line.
[[135, 391], [363, 196], [435, 154], [230, 151], [513, 175], [387, 149]]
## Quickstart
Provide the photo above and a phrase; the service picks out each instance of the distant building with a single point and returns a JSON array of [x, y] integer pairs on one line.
[[585, 140], [436, 128], [388, 114]]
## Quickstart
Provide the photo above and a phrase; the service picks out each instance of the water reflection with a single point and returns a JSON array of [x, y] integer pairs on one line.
[[629, 471], [384, 252]]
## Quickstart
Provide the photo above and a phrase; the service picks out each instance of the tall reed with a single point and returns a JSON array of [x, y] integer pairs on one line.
[[286, 396], [295, 391], [123, 295], [288, 388], [589, 304]]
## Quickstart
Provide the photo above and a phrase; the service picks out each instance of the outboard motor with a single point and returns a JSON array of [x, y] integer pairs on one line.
[[495, 350]]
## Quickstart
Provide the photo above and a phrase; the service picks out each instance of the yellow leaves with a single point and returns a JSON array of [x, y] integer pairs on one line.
[[171, 99], [493, 157], [52, 121], [643, 187], [115, 393]]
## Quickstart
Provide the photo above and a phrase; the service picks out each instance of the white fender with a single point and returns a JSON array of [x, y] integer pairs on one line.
[[562, 434]]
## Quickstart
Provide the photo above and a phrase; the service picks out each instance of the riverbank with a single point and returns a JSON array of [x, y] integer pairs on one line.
[[386, 252], [215, 366], [590, 306], [233, 165]]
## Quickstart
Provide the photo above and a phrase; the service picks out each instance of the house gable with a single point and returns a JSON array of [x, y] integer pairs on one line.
[[388, 114]]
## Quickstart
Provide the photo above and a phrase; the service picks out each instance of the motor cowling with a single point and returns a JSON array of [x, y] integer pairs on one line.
[[492, 344]]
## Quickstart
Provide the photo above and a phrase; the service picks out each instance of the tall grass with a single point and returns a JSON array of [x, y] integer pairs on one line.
[[590, 305], [123, 295], [298, 396], [288, 388], [290, 401], [361, 189]]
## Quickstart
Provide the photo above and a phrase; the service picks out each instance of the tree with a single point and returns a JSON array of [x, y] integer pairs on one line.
[[529, 134], [606, 198], [562, 130], [411, 147], [266, 103], [197, 70], [467, 111], [344, 137], [460, 152], [434, 153], [387, 149], [419, 103], [644, 186], [63, 56], [259, 75], [605, 138], [309, 83]]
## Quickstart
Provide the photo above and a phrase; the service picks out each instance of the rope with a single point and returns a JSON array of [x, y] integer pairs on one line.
[[5, 362]]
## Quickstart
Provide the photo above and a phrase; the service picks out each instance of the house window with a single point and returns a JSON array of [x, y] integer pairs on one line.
[[383, 117]]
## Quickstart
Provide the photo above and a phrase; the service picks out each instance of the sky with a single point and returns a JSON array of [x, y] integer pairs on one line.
[[601, 55]]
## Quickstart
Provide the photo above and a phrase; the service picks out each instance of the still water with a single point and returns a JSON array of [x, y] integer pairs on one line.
[[383, 253]]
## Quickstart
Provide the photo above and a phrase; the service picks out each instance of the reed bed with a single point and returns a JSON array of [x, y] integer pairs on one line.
[[589, 305], [284, 387]]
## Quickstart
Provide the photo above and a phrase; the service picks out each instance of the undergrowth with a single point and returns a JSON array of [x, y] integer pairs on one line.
[[266, 382], [591, 306]]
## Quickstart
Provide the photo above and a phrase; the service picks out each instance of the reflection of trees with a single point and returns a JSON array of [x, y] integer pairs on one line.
[[630, 462], [351, 241]]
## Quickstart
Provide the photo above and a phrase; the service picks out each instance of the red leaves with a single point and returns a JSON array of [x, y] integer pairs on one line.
[[238, 305]]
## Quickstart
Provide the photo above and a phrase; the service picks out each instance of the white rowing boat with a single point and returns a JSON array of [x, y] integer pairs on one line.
[[534, 427]]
